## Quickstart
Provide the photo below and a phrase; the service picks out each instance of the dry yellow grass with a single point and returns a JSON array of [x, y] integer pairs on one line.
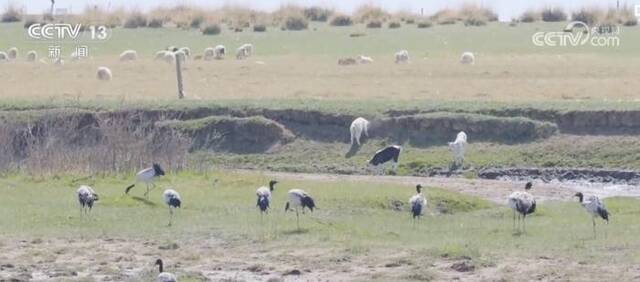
[[494, 78]]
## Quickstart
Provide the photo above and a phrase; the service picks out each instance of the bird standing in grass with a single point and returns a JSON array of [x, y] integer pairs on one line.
[[299, 199], [418, 203], [522, 203], [148, 176], [164, 276], [594, 206], [172, 200], [264, 196], [86, 198]]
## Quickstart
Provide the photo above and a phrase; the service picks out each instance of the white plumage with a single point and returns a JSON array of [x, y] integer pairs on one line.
[[164, 276], [522, 203], [358, 126], [264, 196], [458, 148], [172, 199], [298, 198], [147, 176], [418, 203], [402, 57], [86, 198], [467, 58], [594, 206], [128, 55]]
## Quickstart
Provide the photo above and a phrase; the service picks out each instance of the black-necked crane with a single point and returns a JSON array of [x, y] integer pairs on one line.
[[264, 196], [418, 203], [172, 200], [299, 199], [594, 206], [147, 176], [164, 276], [522, 203], [86, 198]]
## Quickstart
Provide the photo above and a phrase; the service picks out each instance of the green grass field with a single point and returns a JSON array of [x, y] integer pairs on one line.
[[353, 220]]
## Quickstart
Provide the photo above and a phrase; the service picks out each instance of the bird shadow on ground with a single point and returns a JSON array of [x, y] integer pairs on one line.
[[295, 231], [144, 201], [352, 151]]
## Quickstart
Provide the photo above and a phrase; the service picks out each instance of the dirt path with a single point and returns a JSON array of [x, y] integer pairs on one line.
[[493, 190]]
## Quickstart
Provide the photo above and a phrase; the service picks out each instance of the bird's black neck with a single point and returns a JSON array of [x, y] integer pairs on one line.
[[160, 267], [580, 198]]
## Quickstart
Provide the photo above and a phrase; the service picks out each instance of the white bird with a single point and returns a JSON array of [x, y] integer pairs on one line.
[[299, 199], [172, 200], [164, 276], [86, 197], [148, 176], [595, 207], [264, 196], [418, 203], [523, 203]]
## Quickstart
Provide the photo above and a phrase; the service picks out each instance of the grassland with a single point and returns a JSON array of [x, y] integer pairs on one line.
[[361, 229]]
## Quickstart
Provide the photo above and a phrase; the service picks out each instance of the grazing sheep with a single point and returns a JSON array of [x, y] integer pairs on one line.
[[347, 61], [159, 55], [128, 55], [219, 52], [402, 57], [32, 56], [13, 53], [364, 59], [467, 58], [169, 57], [3, 57], [104, 73], [209, 53], [244, 51], [186, 51], [358, 126], [457, 147]]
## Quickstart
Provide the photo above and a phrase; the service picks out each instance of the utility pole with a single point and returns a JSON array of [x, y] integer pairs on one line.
[[179, 73]]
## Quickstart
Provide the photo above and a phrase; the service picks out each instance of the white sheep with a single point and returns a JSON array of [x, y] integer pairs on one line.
[[457, 147], [159, 55], [244, 51], [3, 57], [402, 57], [169, 57], [128, 55], [364, 59], [32, 56], [358, 126], [13, 53], [467, 58], [186, 51], [104, 73], [219, 52], [208, 54]]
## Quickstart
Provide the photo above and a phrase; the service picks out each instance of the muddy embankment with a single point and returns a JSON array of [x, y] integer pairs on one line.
[[254, 130]]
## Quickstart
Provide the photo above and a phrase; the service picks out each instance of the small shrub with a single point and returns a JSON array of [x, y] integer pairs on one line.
[[29, 22], [425, 24], [630, 22], [475, 14], [237, 29], [12, 14], [317, 14], [369, 13], [259, 28], [410, 21], [374, 24], [155, 23], [394, 25], [586, 16], [341, 20], [553, 15], [357, 34], [445, 17], [212, 29], [135, 20], [529, 16], [196, 22], [295, 22], [624, 16]]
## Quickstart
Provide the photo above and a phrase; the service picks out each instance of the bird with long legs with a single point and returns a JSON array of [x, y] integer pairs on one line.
[[148, 177], [418, 204], [264, 196], [86, 198], [299, 199], [595, 207], [164, 276], [522, 203], [172, 199]]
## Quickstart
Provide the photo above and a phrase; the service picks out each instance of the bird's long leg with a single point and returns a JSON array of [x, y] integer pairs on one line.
[[297, 219], [524, 223], [593, 220], [170, 216], [514, 221]]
